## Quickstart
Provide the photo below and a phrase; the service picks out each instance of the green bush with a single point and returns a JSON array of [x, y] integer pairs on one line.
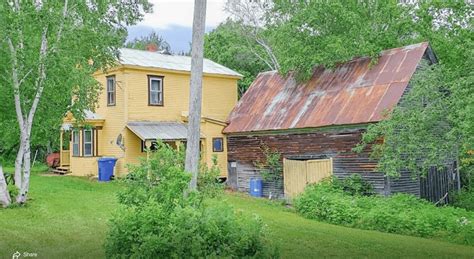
[[354, 185], [464, 199], [400, 213], [160, 218]]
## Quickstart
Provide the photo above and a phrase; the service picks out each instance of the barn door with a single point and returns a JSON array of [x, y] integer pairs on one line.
[[318, 170], [294, 176], [299, 173]]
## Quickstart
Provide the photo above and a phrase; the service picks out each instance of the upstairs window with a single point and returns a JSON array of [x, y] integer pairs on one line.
[[111, 91], [75, 143], [88, 140], [155, 90]]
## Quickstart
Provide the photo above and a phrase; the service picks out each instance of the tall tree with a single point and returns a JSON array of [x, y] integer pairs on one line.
[[252, 16], [195, 93], [144, 41], [226, 45], [50, 50]]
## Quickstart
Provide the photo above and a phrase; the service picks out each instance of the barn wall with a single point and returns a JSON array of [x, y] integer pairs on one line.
[[338, 144]]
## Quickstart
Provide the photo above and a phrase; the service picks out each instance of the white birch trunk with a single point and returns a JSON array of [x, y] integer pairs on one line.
[[25, 184], [195, 93], [19, 165], [5, 199]]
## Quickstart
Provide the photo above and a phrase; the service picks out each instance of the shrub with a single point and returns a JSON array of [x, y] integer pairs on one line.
[[464, 199], [354, 185], [160, 218], [400, 213]]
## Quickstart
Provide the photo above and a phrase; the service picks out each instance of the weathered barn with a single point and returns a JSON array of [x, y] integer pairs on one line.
[[325, 117]]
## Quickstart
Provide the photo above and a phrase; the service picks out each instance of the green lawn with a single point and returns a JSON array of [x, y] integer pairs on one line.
[[67, 217]]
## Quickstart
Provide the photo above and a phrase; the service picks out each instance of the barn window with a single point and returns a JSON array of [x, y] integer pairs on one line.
[[88, 142], [111, 91], [75, 143], [155, 90], [217, 144]]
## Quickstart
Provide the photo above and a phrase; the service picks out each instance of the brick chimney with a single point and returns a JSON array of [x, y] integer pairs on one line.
[[152, 47]]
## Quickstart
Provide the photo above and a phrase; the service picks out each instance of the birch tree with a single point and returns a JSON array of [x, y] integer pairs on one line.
[[50, 48], [195, 93], [253, 17], [5, 199]]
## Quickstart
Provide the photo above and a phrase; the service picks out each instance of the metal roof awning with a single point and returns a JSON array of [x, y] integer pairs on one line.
[[148, 130]]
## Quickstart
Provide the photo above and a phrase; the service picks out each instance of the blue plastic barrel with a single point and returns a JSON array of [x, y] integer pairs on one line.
[[106, 168], [256, 185]]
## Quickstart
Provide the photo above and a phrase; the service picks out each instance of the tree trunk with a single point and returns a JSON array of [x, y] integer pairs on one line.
[[5, 199], [19, 165], [25, 184], [195, 93]]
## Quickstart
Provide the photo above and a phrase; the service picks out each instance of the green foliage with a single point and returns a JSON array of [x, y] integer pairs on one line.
[[324, 33], [271, 168], [91, 31], [401, 213], [464, 199], [353, 185], [227, 46], [160, 217], [208, 180], [153, 38], [423, 131]]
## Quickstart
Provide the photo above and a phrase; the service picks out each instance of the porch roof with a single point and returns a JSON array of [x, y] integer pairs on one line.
[[150, 130]]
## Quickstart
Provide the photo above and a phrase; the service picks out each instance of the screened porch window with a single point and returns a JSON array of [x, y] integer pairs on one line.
[[75, 143], [111, 91], [88, 140], [155, 91]]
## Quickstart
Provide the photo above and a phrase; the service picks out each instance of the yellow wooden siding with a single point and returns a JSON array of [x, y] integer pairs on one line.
[[299, 173], [133, 148], [213, 130], [219, 98]]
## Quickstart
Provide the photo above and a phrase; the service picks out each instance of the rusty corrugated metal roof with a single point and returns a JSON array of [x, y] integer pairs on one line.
[[352, 93]]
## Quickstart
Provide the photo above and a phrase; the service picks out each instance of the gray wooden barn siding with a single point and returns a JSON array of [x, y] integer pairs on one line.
[[244, 172]]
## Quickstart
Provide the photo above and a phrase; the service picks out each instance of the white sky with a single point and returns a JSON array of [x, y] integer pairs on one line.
[[180, 12]]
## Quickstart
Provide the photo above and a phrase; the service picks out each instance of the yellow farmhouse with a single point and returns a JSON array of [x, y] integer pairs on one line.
[[145, 98]]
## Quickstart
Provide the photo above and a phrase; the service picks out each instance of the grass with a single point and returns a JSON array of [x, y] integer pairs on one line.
[[298, 237], [67, 217]]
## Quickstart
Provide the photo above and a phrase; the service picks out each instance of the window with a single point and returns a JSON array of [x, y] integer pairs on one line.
[[155, 90], [75, 143], [111, 91], [217, 144], [88, 140]]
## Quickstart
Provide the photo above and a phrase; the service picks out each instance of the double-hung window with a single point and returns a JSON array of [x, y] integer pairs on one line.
[[155, 90], [111, 91], [75, 143], [88, 140]]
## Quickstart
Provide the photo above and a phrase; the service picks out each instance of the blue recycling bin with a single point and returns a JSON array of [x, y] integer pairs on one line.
[[256, 187], [106, 168]]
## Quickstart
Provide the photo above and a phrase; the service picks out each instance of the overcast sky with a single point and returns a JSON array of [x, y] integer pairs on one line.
[[173, 20]]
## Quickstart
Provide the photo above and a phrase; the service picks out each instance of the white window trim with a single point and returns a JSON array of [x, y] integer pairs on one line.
[[76, 133], [111, 91], [91, 142], [159, 92]]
